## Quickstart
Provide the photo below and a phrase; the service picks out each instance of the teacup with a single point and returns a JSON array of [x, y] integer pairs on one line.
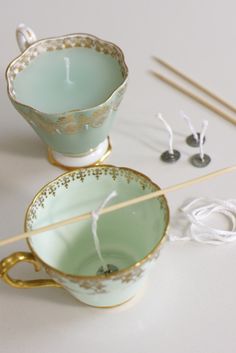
[[130, 238], [68, 89]]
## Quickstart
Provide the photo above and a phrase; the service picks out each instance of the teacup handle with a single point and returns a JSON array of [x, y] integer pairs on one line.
[[24, 36], [10, 261]]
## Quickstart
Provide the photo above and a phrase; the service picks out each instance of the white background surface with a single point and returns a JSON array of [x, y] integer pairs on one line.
[[189, 303]]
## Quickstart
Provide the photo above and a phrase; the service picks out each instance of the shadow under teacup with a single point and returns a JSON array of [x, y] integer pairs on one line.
[[130, 238], [68, 89]]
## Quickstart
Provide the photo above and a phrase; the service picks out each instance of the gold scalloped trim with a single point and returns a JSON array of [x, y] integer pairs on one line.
[[80, 174]]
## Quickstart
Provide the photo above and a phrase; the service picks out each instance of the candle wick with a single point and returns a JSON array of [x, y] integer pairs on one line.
[[202, 135], [170, 132], [190, 125], [67, 64], [95, 218]]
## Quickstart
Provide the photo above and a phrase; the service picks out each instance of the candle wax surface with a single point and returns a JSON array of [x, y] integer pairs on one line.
[[53, 84]]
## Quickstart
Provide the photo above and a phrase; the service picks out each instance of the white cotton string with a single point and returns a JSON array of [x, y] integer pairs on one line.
[[67, 63], [170, 132], [95, 218], [190, 125], [202, 135], [192, 226]]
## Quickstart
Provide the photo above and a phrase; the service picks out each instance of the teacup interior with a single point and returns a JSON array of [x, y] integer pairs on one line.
[[126, 236], [69, 79]]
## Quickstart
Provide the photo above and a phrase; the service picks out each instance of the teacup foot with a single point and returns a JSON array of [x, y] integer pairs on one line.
[[111, 306], [95, 157]]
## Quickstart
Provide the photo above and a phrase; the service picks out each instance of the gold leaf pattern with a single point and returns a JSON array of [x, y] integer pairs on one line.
[[80, 174], [71, 123]]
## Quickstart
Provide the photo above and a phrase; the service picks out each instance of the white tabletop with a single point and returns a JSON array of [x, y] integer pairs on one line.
[[189, 302]]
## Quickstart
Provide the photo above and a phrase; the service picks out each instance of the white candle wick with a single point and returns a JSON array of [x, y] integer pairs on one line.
[[202, 135], [67, 64], [95, 218], [170, 132], [190, 125]]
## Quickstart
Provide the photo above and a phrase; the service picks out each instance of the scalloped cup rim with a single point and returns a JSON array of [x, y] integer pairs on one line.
[[38, 42]]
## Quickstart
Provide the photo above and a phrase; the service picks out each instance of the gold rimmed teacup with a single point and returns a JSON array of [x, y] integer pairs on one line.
[[68, 89], [130, 238]]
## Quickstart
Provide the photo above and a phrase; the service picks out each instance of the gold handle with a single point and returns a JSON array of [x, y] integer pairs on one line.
[[11, 260]]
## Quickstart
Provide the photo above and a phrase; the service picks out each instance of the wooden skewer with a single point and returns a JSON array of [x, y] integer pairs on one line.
[[117, 206], [196, 84], [195, 97]]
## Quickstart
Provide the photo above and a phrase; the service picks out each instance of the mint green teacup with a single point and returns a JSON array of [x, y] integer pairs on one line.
[[130, 237], [68, 89]]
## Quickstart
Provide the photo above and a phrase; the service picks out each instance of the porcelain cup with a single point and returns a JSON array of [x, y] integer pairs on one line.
[[130, 237], [68, 89]]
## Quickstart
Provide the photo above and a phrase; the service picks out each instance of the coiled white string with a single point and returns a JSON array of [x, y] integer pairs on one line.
[[189, 224], [95, 217]]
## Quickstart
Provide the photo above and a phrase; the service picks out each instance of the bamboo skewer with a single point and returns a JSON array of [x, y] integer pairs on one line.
[[117, 206], [196, 84], [195, 97]]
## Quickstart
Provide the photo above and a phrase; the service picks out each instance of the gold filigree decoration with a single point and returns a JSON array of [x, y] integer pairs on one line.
[[80, 174], [131, 276], [70, 123], [95, 287], [92, 286], [99, 286], [70, 41]]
